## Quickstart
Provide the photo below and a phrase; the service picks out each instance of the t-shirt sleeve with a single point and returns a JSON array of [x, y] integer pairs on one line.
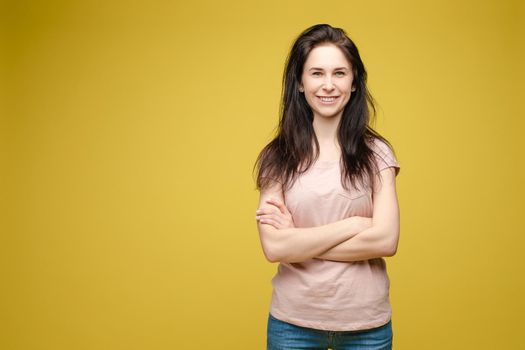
[[384, 156]]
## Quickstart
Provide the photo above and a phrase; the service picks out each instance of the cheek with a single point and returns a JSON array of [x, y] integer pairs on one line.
[[348, 86], [310, 99]]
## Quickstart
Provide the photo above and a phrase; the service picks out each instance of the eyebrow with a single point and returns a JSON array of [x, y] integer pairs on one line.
[[338, 68]]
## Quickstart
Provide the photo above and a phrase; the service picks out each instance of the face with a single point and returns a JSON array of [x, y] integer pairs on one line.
[[327, 81]]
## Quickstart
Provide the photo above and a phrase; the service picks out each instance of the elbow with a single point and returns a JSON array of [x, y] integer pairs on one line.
[[390, 251], [385, 250], [391, 245], [271, 255], [277, 248], [275, 252], [270, 245]]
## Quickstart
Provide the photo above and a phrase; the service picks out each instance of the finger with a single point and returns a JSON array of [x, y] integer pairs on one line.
[[272, 217], [282, 207], [273, 204], [278, 204], [270, 222], [267, 210], [283, 213], [272, 207]]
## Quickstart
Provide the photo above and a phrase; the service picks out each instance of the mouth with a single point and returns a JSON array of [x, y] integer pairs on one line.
[[327, 99]]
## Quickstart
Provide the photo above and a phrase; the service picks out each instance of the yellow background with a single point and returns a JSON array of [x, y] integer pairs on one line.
[[130, 128]]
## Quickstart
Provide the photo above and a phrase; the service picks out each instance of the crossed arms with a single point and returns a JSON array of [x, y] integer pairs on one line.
[[352, 239]]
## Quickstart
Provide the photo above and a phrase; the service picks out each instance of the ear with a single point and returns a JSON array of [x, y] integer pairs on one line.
[[353, 88], [301, 88]]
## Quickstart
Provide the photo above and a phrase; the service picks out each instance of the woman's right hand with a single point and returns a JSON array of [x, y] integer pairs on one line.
[[277, 215]]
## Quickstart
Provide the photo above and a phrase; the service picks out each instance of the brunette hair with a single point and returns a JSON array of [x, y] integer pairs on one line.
[[291, 151]]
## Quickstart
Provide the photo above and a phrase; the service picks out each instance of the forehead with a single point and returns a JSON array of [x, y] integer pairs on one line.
[[326, 56]]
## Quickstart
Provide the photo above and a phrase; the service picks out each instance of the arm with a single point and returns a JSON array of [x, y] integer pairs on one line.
[[382, 237], [291, 244]]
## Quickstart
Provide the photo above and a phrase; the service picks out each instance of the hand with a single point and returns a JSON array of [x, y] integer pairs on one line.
[[277, 215]]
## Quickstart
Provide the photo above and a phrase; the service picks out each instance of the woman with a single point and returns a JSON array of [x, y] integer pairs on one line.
[[328, 209]]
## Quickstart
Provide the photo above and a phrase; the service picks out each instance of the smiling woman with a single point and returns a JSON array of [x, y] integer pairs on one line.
[[327, 81], [328, 209]]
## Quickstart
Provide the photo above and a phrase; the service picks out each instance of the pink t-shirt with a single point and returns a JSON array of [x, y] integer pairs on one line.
[[331, 295]]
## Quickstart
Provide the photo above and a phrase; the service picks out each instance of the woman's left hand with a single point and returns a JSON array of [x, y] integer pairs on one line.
[[277, 215]]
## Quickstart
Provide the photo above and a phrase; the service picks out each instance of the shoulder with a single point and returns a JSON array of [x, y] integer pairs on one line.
[[379, 146], [383, 154]]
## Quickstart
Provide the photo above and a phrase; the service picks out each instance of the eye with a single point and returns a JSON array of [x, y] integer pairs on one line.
[[316, 74], [340, 74]]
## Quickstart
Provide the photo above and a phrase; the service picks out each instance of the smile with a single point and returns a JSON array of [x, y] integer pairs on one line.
[[328, 99]]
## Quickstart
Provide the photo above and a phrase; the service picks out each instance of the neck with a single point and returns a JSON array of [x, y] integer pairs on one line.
[[326, 128]]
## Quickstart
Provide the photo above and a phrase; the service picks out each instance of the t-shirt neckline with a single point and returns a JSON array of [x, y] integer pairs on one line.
[[325, 163]]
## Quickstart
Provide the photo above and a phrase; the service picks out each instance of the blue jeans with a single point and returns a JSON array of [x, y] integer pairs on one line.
[[285, 336]]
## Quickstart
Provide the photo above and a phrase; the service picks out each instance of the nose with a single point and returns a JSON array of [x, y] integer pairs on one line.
[[328, 84]]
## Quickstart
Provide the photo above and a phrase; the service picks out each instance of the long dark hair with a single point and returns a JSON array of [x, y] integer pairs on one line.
[[291, 151]]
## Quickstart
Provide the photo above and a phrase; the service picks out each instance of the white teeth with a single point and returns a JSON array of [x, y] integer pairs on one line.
[[327, 99]]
